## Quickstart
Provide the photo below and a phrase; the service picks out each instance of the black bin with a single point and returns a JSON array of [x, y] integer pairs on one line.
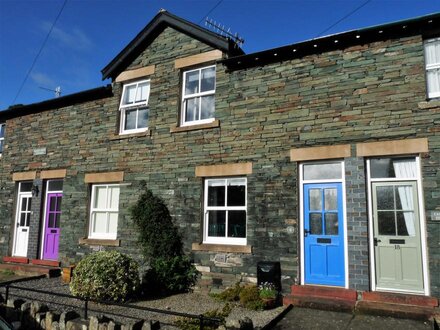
[[269, 271]]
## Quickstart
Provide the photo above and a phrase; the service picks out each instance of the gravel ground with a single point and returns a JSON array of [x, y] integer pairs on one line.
[[192, 303]]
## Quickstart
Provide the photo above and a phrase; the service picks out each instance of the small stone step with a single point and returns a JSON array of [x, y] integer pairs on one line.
[[403, 299], [324, 292], [328, 303], [41, 262], [32, 269], [394, 310], [17, 260]]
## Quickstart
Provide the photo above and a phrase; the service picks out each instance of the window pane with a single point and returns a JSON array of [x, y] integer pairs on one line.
[[51, 220], [331, 199], [432, 51], [113, 223], [2, 130], [100, 198], [59, 204], [1, 146], [53, 202], [393, 168], [130, 94], [55, 185], [24, 204], [130, 119], [315, 200], [322, 171], [236, 194], [207, 107], [208, 79], [216, 223], [113, 198], [192, 109], [405, 224], [385, 197], [216, 193], [315, 223], [433, 77], [142, 92], [386, 223], [25, 186], [23, 219], [192, 82], [142, 118], [57, 220], [237, 224], [99, 222], [28, 219], [331, 223]]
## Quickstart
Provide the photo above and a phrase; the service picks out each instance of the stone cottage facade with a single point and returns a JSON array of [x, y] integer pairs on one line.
[[322, 155]]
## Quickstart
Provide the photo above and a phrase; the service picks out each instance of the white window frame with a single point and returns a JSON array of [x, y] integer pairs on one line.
[[108, 211], [421, 209], [431, 67], [133, 106], [199, 94], [2, 138], [223, 240]]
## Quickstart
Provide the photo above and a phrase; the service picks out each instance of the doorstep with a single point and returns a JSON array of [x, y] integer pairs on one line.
[[36, 267]]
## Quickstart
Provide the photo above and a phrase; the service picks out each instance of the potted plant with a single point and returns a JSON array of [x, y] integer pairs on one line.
[[268, 294]]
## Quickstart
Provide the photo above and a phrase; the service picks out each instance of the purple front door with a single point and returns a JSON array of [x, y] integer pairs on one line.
[[52, 227]]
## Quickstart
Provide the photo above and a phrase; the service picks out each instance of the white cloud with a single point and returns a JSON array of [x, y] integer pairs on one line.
[[75, 38], [42, 80]]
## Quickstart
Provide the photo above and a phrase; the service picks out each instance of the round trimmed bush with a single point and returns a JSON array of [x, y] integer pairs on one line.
[[105, 275]]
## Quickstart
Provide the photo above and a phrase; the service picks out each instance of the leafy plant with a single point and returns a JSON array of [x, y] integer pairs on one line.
[[194, 324], [105, 275], [250, 298], [171, 275], [268, 290], [170, 270], [230, 294]]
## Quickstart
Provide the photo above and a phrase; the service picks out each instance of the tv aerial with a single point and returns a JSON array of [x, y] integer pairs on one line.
[[57, 90], [220, 29]]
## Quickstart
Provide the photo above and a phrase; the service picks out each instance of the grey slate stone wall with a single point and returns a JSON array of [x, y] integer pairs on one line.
[[371, 92]]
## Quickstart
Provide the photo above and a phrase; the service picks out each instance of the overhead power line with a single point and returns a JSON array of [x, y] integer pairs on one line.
[[210, 11], [343, 18], [39, 52]]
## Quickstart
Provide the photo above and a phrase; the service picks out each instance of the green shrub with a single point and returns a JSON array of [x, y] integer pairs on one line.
[[105, 275], [158, 236], [250, 298], [194, 324], [230, 294], [172, 275]]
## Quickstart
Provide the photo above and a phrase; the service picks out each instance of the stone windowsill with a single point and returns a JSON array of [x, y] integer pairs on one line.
[[222, 248], [102, 242], [115, 137], [177, 129], [432, 103]]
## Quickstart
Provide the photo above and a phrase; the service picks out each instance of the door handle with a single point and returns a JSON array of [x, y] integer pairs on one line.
[[376, 240]]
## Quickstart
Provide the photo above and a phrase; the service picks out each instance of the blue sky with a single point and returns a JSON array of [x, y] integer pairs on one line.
[[89, 33]]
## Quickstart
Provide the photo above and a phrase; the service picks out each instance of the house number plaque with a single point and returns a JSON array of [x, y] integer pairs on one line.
[[39, 151], [435, 215]]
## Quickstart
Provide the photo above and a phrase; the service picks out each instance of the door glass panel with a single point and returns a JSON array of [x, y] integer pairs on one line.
[[331, 223], [315, 223], [216, 193], [385, 198], [28, 219], [55, 185], [52, 204], [386, 223], [57, 220], [23, 220], [237, 224], [59, 203], [405, 223], [217, 223], [24, 204], [315, 200], [404, 198], [331, 199], [51, 220], [322, 171]]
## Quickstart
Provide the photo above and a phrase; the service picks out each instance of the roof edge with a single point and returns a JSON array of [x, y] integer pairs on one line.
[[153, 29], [64, 101]]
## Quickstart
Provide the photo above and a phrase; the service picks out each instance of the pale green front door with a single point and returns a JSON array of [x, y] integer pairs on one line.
[[397, 244]]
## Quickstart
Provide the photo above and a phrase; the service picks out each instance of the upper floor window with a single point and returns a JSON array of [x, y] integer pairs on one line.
[[432, 60], [134, 107], [198, 96], [2, 136], [104, 210]]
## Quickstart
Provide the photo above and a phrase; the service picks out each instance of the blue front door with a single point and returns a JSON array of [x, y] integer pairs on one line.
[[324, 234]]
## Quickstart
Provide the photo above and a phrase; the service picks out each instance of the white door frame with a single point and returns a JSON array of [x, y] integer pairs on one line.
[[301, 213], [422, 224], [17, 219]]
